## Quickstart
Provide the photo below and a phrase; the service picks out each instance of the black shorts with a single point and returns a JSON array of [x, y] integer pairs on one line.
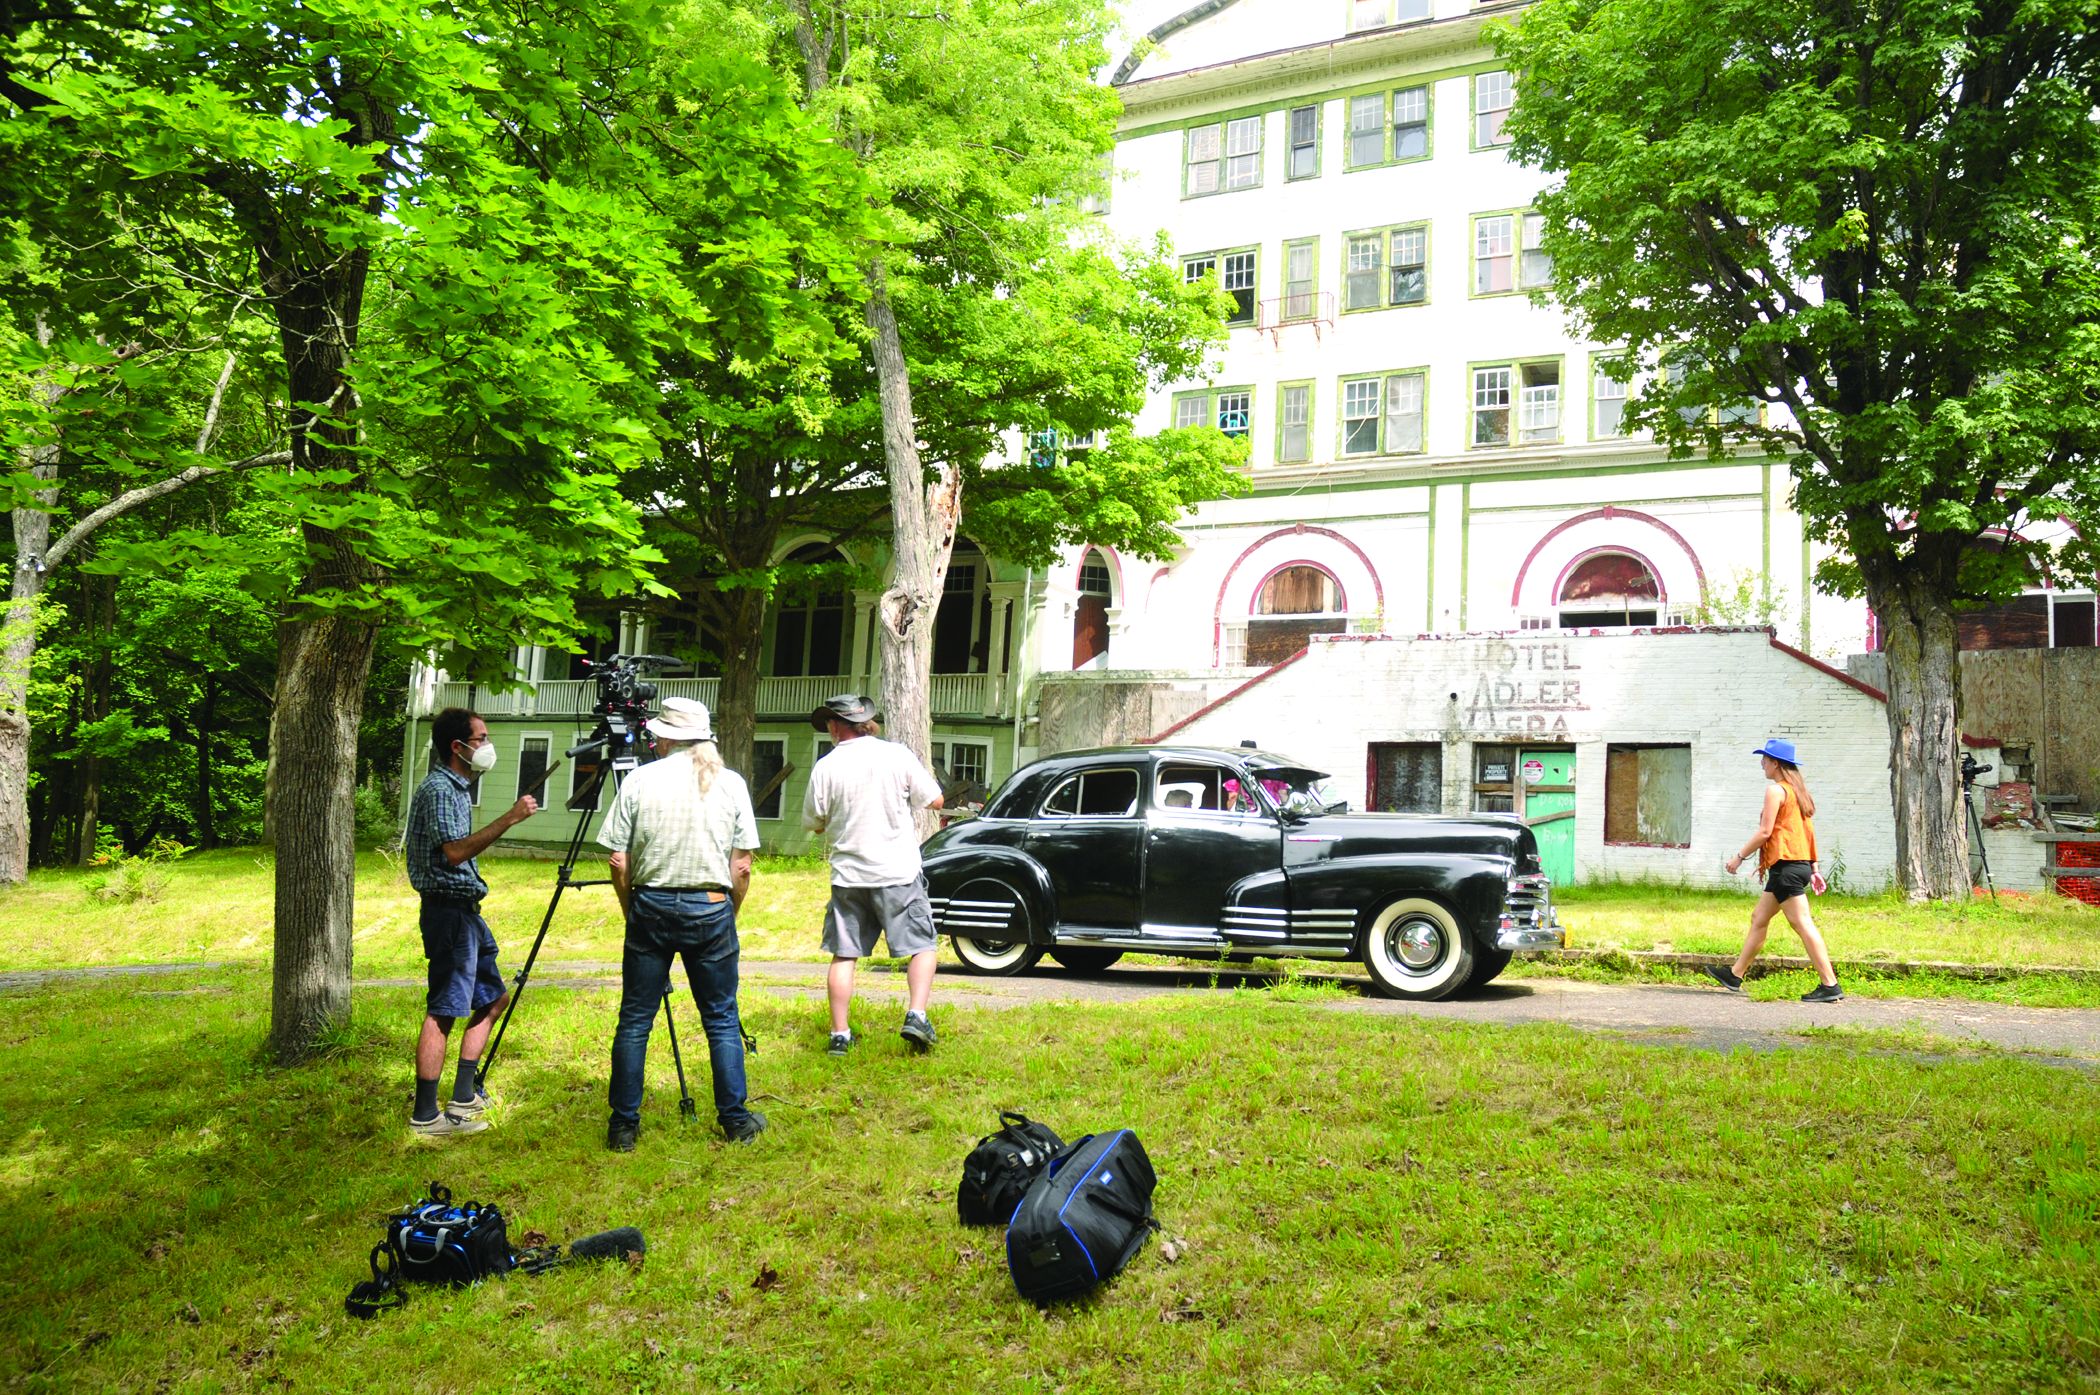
[[1787, 880]]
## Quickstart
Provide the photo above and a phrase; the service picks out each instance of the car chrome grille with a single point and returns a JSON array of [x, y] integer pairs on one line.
[[1313, 927], [1529, 901]]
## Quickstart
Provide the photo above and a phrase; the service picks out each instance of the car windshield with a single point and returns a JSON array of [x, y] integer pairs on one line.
[[1297, 791]]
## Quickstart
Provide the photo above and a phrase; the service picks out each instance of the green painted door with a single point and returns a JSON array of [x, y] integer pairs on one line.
[[1548, 777]]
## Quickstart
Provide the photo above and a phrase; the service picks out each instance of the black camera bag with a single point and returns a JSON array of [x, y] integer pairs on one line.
[[1000, 1168], [435, 1242], [1083, 1218]]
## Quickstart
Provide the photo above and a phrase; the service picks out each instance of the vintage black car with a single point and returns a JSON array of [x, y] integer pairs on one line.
[[1196, 851]]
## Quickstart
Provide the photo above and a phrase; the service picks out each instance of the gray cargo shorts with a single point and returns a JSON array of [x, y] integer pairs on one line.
[[857, 914]]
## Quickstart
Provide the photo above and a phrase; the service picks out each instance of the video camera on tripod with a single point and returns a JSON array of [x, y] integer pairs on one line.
[[1970, 769], [622, 707]]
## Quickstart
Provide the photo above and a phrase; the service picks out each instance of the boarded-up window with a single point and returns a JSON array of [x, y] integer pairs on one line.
[[1273, 641], [1298, 591], [2074, 624], [532, 764], [767, 757], [1407, 777], [1648, 796], [1494, 779], [2018, 624]]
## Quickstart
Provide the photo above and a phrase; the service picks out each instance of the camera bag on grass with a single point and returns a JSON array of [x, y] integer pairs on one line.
[[1000, 1168], [435, 1242], [1083, 1218]]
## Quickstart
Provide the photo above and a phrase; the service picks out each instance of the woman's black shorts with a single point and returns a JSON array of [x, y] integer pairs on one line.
[[1787, 880]]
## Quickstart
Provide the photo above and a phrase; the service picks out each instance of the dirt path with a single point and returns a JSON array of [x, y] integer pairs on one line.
[[1662, 1013]]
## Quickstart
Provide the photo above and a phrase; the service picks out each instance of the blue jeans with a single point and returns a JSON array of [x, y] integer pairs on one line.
[[661, 924]]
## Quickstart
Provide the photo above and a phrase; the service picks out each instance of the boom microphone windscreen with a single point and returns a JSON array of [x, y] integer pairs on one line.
[[609, 1244]]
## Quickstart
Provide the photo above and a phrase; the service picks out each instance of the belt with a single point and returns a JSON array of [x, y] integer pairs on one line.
[[446, 898], [712, 893]]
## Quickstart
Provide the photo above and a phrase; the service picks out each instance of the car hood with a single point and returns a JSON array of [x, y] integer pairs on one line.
[[1324, 836]]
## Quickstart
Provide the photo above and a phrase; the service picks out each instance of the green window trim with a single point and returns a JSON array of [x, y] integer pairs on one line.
[[1238, 270], [1597, 359], [1382, 402], [1238, 398], [1304, 454], [1310, 94], [1292, 144], [1516, 401], [1300, 300], [1759, 419], [1389, 245], [1529, 269], [1390, 108], [1223, 154], [1473, 112]]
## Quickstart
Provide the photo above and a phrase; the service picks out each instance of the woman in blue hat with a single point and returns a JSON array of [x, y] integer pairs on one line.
[[1785, 844]]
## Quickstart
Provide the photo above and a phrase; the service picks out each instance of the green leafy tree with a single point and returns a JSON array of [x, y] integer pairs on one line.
[[433, 213], [1878, 223], [995, 304]]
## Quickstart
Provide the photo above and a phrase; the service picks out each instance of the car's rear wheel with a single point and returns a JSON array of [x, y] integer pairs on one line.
[[995, 920], [1488, 965], [1084, 959], [1415, 949]]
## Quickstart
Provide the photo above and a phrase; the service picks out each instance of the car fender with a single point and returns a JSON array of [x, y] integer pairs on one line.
[[950, 870], [1472, 885]]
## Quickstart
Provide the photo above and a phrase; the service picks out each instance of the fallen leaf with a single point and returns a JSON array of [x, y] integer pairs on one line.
[[188, 1313], [520, 1309], [633, 1258], [653, 1347], [158, 1250], [768, 1279], [1169, 1251], [532, 1239], [966, 1254], [1182, 1310]]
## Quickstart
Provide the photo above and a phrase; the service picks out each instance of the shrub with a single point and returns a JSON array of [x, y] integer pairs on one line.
[[378, 825], [132, 878]]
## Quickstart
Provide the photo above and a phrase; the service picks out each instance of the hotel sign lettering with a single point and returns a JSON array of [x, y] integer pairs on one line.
[[1527, 689]]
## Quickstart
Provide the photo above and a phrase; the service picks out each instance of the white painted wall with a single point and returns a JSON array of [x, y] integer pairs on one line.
[[1720, 691]]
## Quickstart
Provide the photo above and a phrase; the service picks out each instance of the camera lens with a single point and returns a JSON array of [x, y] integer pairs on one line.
[[644, 692]]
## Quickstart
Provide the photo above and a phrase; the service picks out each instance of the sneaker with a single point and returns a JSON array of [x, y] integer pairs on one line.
[[470, 1109], [918, 1031], [620, 1137], [1725, 976], [445, 1125], [1823, 993], [754, 1124], [841, 1043]]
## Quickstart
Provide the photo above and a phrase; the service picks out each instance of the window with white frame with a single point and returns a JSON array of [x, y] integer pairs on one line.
[[1301, 265], [969, 760], [1607, 400], [1411, 123], [1382, 415], [1493, 95], [767, 759], [1304, 162], [1535, 268], [1538, 403], [1192, 409], [1235, 410], [1367, 130], [1222, 155], [534, 751], [1494, 253], [1388, 267], [1377, 14], [1294, 423], [1235, 271], [1491, 397]]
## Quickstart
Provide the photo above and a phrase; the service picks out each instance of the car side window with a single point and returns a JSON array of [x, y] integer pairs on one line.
[[1094, 794], [1205, 788]]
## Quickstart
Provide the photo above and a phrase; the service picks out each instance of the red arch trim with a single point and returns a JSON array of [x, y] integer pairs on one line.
[[1516, 592], [1217, 610]]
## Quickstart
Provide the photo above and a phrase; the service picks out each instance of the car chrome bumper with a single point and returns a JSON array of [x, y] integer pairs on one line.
[[1528, 918]]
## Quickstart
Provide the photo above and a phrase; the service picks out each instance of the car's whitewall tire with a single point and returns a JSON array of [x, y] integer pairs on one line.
[[1414, 948]]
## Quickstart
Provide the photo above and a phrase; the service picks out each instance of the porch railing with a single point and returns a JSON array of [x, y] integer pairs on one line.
[[951, 695]]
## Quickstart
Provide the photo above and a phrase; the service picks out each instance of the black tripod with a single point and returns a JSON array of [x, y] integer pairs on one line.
[[1970, 769], [617, 740]]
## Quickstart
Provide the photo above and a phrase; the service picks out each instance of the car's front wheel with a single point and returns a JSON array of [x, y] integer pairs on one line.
[[1085, 959], [995, 956], [1415, 949]]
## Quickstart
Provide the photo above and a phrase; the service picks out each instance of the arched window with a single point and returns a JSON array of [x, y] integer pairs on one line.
[[1292, 606], [1090, 619], [962, 627], [809, 619], [1609, 588]]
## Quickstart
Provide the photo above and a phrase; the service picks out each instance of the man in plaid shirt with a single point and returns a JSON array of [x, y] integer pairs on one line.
[[441, 847]]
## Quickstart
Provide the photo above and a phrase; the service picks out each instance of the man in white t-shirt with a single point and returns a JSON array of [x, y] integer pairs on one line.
[[681, 834], [864, 795]]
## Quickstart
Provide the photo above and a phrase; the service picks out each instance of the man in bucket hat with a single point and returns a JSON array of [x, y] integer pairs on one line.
[[681, 832], [863, 795]]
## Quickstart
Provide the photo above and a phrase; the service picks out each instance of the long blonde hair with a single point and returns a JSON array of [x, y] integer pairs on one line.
[[707, 762], [1790, 775]]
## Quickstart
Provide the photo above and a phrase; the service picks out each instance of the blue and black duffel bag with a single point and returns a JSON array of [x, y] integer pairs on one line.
[[1083, 1219], [434, 1241]]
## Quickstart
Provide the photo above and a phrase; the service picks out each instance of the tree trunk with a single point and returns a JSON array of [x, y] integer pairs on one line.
[[99, 606], [1924, 714], [741, 615], [32, 528], [923, 521], [323, 664], [207, 827]]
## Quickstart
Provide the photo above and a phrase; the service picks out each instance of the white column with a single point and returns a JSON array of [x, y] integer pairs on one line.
[[998, 651], [862, 666]]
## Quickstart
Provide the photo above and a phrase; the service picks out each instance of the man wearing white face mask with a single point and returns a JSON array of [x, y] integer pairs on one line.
[[441, 846]]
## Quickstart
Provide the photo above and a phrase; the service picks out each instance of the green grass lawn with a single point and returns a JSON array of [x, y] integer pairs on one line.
[[1365, 1204]]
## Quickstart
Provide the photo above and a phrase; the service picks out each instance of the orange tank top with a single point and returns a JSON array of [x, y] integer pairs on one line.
[[1793, 837]]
